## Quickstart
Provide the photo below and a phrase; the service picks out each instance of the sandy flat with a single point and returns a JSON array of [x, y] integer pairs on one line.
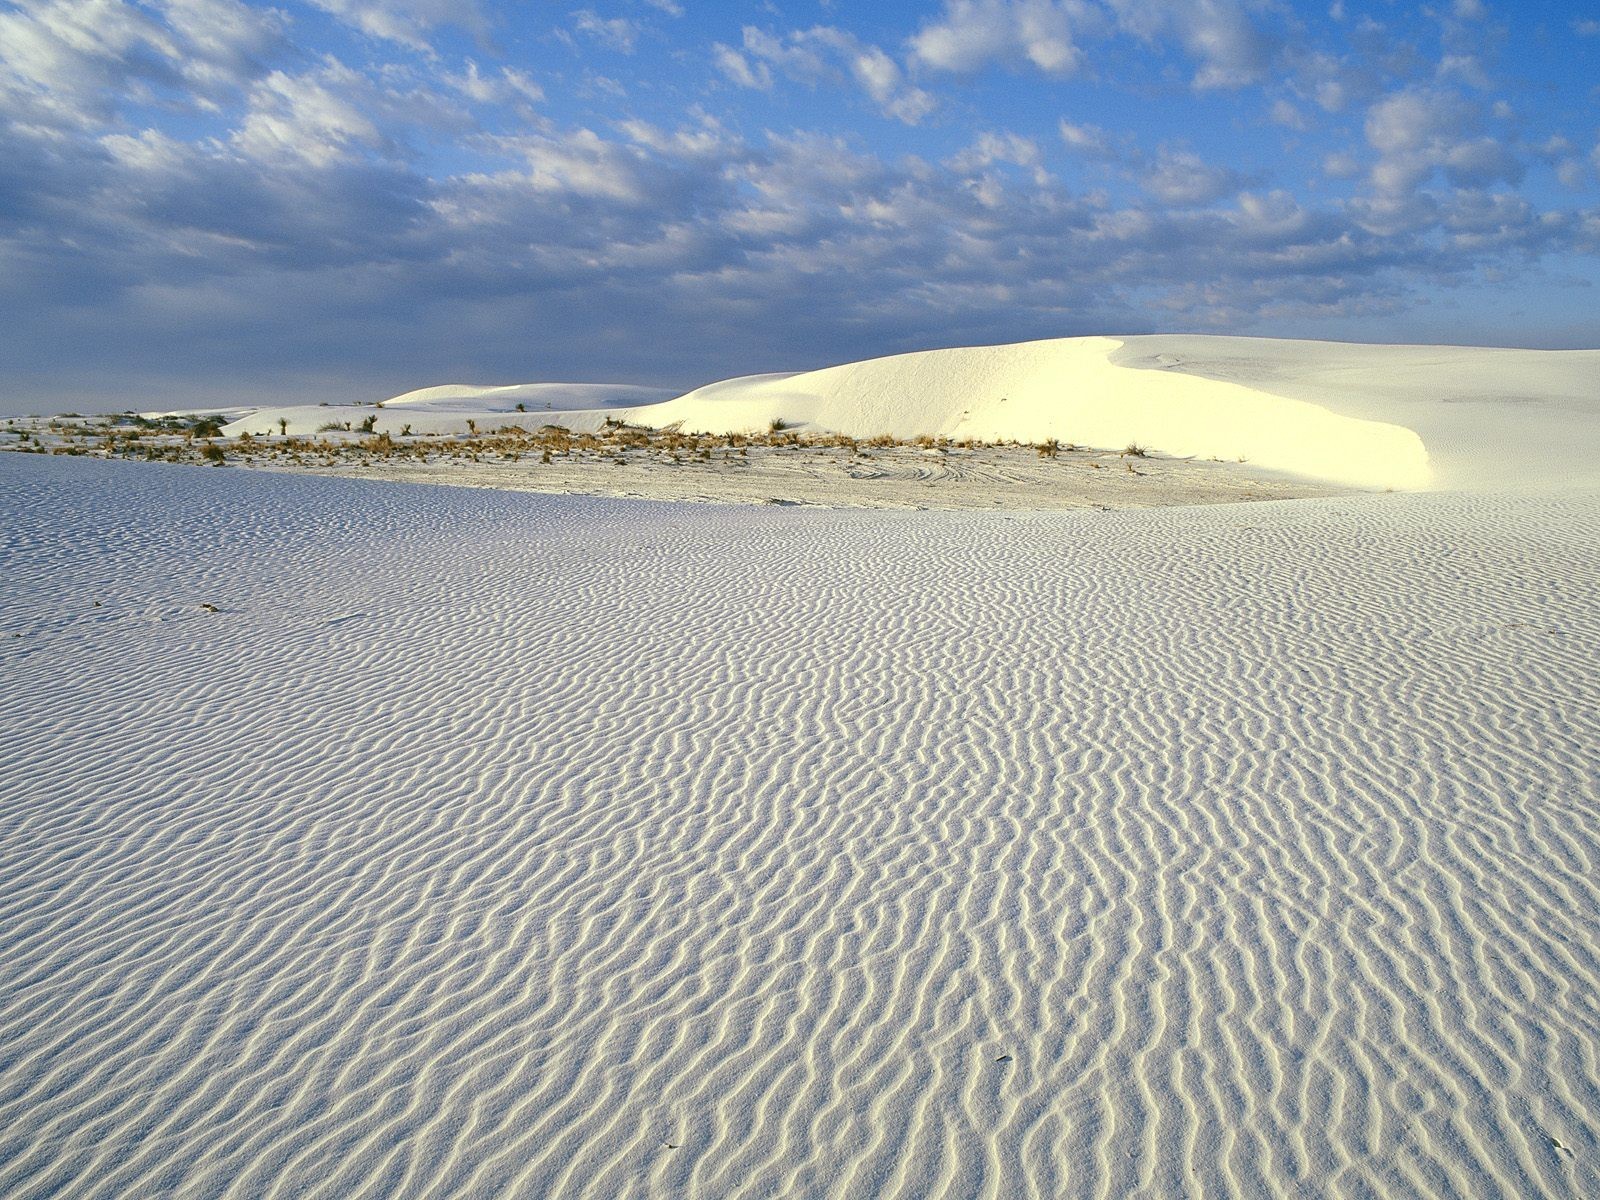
[[984, 477], [397, 840]]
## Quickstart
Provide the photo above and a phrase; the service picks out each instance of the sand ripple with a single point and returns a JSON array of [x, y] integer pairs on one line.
[[495, 844]]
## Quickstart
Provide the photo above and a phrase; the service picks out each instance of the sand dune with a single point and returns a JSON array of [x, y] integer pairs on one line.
[[1407, 417], [492, 844], [449, 407]]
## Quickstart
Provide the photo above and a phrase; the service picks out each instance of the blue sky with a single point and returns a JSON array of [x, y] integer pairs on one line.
[[206, 200]]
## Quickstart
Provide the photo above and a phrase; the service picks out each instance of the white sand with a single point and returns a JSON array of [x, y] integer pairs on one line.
[[904, 476], [1408, 417], [495, 844]]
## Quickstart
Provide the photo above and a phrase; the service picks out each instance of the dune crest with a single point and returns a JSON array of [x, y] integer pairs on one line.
[[1073, 390]]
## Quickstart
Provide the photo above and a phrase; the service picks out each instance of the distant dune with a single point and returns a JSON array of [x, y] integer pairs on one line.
[[1405, 417]]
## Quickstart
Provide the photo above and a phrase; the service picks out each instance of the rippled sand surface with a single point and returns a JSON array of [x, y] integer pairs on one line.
[[405, 841]]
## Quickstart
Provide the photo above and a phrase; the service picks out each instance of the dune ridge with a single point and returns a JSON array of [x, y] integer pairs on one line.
[[1370, 416], [493, 844]]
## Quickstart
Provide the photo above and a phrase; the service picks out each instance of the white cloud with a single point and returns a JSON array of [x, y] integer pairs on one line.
[[1586, 27], [971, 34], [406, 22], [1340, 165], [1422, 130], [306, 117], [992, 148], [1464, 67], [579, 163], [1221, 35], [821, 54], [881, 78], [1286, 114], [1411, 121], [70, 63], [1088, 140], [706, 141], [1184, 178], [756, 75], [505, 86], [618, 33]]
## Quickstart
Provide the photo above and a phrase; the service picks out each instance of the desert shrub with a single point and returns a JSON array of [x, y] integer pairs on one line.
[[1134, 450], [212, 453], [371, 423], [1048, 449], [333, 427], [206, 427]]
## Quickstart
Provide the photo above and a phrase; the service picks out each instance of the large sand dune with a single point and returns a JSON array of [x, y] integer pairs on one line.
[[1407, 417], [491, 844]]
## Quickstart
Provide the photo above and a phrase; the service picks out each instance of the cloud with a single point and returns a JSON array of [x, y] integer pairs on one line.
[[580, 164], [616, 33], [507, 85], [333, 112], [972, 34], [992, 148], [743, 71], [1221, 36], [822, 54], [1421, 130], [1286, 114], [71, 63], [1183, 178], [1092, 141], [305, 117], [407, 22], [188, 195]]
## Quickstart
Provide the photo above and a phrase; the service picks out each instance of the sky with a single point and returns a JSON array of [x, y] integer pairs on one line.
[[212, 202]]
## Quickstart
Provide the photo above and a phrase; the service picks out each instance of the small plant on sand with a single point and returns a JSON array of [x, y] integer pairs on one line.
[[283, 426], [369, 424], [1048, 449], [472, 427], [207, 427], [777, 425], [521, 407], [212, 453], [405, 431], [1134, 450]]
